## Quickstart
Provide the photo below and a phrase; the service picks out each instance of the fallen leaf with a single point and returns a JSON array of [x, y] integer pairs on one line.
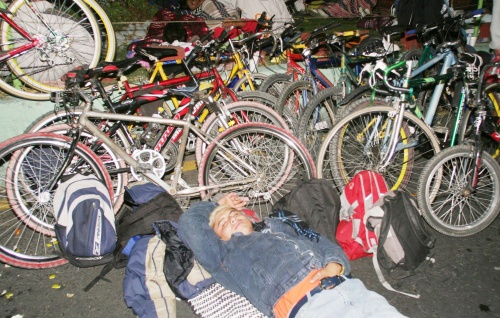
[[7, 266], [9, 295], [70, 295], [18, 231], [3, 293], [56, 286], [52, 276], [48, 245]]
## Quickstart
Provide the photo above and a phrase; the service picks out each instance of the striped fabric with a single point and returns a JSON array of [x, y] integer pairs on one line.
[[218, 302]]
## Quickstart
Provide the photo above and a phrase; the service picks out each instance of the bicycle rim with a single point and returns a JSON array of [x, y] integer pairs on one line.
[[272, 157], [68, 37], [27, 164], [241, 112], [108, 38]]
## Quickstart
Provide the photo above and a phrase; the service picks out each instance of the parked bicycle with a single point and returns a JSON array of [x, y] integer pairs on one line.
[[257, 160], [42, 40], [459, 188]]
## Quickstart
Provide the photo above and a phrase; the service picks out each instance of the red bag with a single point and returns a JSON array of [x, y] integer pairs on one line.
[[364, 192]]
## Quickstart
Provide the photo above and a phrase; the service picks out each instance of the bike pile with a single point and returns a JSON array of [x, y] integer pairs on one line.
[[385, 110]]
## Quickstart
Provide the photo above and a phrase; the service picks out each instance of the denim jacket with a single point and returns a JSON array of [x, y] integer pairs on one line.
[[261, 266]]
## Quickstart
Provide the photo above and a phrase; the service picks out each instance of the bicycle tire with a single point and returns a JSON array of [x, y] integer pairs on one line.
[[108, 37], [241, 112], [493, 109], [360, 103], [339, 162], [445, 204], [243, 83], [110, 160], [27, 163], [278, 159], [372, 44], [69, 37], [59, 117], [295, 98], [317, 118], [274, 84], [259, 97]]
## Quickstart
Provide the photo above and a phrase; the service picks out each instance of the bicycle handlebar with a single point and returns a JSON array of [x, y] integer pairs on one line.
[[199, 47], [391, 68]]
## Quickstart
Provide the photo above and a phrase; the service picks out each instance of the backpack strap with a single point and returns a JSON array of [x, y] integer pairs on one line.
[[382, 279]]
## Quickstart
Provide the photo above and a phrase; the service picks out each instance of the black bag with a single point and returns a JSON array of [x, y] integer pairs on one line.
[[317, 203], [138, 219], [414, 13], [409, 242]]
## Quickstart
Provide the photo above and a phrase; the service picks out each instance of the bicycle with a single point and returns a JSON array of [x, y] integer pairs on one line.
[[459, 188], [386, 139], [257, 160], [148, 100], [43, 40]]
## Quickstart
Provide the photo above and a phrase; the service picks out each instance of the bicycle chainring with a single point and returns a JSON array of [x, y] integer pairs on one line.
[[151, 158]]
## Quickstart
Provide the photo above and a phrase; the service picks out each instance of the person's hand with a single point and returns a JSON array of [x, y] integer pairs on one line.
[[233, 200], [331, 269]]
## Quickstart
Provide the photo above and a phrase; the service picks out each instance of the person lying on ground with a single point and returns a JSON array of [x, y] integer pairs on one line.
[[280, 271]]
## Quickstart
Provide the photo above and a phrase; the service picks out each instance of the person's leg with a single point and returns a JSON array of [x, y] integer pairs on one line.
[[350, 299]]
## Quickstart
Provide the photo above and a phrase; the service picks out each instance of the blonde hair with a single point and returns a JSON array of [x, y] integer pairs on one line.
[[217, 210]]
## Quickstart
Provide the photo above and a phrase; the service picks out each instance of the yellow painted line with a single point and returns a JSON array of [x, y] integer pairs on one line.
[[189, 166], [4, 204]]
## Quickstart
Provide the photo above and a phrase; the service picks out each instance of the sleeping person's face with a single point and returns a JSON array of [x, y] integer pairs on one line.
[[230, 221]]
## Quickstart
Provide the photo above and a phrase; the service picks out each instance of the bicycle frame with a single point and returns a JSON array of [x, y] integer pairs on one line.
[[84, 122], [6, 55]]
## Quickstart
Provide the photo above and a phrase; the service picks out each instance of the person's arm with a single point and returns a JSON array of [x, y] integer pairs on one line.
[[332, 252], [199, 236]]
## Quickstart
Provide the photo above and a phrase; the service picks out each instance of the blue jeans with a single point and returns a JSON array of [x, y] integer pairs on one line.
[[350, 299]]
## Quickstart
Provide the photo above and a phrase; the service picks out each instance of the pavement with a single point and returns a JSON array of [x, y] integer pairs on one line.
[[464, 281]]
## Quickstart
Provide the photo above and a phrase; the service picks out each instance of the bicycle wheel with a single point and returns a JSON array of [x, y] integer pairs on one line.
[[241, 112], [243, 84], [295, 98], [446, 203], [360, 103], [275, 84], [274, 159], [259, 97], [267, 100], [68, 36], [317, 118], [359, 142], [108, 38], [28, 163], [110, 160], [492, 103], [52, 118]]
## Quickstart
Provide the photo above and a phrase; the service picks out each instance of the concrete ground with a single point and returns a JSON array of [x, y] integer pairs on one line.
[[464, 281]]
